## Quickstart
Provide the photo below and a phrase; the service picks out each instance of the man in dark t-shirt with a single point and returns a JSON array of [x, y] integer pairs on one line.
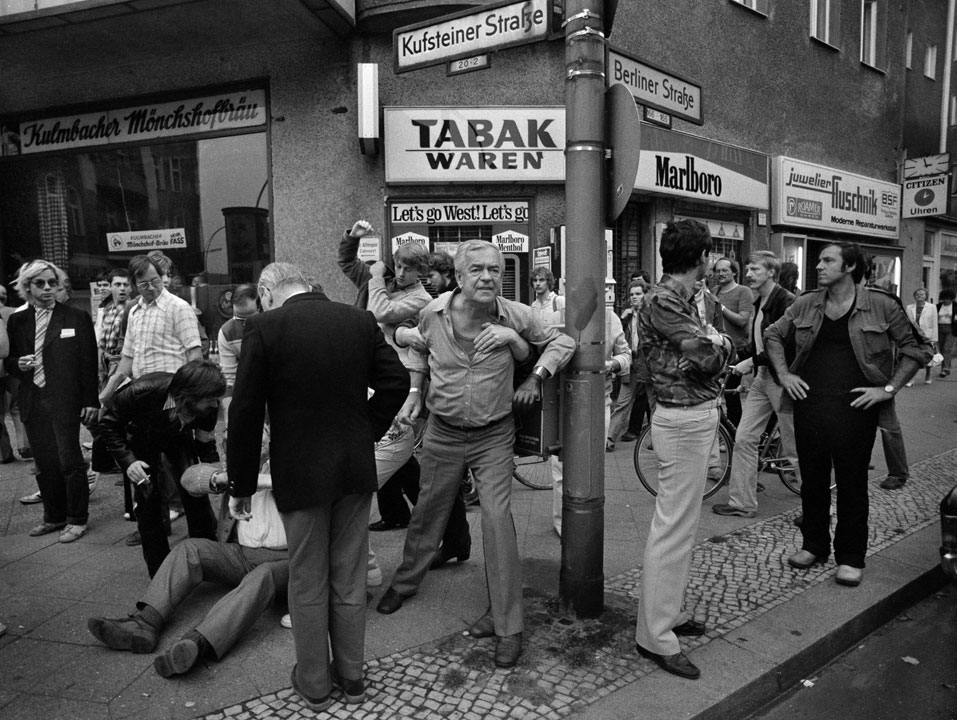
[[843, 370]]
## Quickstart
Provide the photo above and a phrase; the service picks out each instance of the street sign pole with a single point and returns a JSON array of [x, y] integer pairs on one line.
[[581, 582]]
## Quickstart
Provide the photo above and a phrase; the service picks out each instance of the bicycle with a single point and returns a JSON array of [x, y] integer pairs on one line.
[[533, 471], [770, 458]]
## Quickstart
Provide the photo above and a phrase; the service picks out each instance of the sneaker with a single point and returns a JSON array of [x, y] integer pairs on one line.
[[134, 539], [91, 479], [629, 437], [286, 621], [31, 499], [726, 509], [374, 576], [72, 533], [175, 514]]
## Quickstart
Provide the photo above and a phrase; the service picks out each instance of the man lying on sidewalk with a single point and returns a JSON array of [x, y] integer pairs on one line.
[[256, 566]]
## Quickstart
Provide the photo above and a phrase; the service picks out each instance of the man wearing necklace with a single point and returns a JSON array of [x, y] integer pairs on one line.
[[473, 338], [843, 369]]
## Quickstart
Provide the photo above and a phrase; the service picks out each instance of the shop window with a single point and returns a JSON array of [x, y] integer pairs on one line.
[[947, 277], [66, 207], [909, 50], [873, 32], [74, 211], [826, 21], [459, 233], [175, 174]]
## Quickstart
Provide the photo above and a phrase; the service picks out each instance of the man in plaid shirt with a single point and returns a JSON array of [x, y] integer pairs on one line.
[[111, 321]]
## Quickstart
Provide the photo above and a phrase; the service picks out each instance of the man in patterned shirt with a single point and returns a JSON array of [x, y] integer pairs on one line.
[[684, 357]]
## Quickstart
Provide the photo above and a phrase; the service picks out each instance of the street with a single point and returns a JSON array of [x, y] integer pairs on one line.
[[906, 669]]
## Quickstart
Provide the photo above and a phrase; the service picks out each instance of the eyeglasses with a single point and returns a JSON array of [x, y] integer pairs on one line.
[[40, 283], [147, 284]]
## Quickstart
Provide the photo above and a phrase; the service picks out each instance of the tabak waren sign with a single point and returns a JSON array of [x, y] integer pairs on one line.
[[471, 32], [474, 144], [195, 115]]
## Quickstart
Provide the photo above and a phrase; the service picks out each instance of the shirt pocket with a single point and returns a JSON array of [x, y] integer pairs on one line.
[[803, 334], [877, 344]]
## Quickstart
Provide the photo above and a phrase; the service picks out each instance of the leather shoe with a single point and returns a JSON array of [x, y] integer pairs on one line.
[[690, 628], [45, 529], [443, 556], [353, 691], [483, 627], [72, 533], [130, 633], [507, 650], [677, 664], [391, 601], [382, 525], [893, 483], [849, 576], [803, 559], [629, 437], [178, 659], [316, 705], [729, 510]]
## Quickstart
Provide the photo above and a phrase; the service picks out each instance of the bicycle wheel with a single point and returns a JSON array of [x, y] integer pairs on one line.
[[533, 471], [646, 463], [772, 458]]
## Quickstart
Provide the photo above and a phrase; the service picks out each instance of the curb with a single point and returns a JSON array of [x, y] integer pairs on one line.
[[772, 685]]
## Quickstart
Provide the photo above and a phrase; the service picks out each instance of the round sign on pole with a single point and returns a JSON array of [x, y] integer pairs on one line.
[[624, 137]]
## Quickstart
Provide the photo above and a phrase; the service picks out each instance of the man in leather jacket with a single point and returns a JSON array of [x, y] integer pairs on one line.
[[163, 417]]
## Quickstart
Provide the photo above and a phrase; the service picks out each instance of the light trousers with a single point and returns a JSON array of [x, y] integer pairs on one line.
[[683, 438], [764, 398]]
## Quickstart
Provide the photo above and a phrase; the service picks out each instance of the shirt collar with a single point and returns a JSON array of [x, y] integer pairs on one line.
[[676, 287], [446, 303], [161, 301]]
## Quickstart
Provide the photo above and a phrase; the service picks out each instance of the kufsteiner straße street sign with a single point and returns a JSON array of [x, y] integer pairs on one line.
[[471, 32]]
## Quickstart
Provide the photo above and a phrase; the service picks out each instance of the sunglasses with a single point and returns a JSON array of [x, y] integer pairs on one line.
[[41, 283]]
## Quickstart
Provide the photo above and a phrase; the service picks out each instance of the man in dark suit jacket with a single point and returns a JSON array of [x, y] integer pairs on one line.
[[58, 389], [310, 362]]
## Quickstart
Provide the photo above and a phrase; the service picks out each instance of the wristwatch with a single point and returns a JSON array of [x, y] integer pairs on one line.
[[890, 389]]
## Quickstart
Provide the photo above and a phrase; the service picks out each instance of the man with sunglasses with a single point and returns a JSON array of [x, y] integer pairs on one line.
[[53, 353]]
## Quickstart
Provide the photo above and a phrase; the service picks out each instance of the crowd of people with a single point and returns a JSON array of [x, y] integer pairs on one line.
[[326, 400]]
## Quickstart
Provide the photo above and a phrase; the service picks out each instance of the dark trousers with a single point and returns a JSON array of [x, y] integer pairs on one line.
[[733, 400], [829, 433], [150, 511], [405, 484], [61, 470], [328, 555]]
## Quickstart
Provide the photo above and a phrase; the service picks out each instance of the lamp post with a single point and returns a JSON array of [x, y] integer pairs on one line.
[[581, 581]]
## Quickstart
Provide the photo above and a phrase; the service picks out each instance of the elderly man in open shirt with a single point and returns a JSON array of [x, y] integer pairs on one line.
[[470, 336]]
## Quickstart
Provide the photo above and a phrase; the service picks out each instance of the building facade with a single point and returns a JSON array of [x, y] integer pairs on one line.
[[226, 132]]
